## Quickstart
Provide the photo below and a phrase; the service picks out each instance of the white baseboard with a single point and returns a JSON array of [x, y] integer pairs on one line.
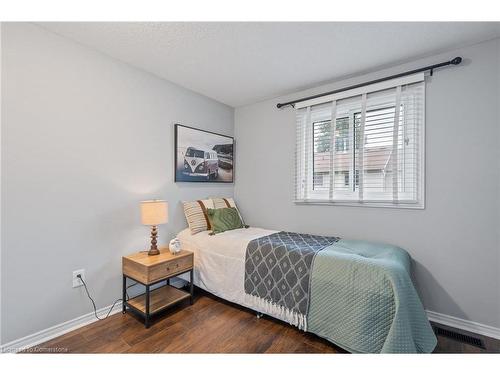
[[70, 325], [466, 325], [178, 282], [55, 331]]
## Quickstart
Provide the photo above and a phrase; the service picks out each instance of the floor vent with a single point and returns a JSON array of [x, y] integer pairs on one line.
[[459, 337]]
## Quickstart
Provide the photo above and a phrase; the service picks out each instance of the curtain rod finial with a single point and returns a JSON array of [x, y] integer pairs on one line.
[[457, 60]]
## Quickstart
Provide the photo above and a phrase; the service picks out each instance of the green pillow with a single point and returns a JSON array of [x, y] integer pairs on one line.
[[223, 219]]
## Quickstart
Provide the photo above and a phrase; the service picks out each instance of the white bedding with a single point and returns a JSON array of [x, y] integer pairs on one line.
[[219, 262]]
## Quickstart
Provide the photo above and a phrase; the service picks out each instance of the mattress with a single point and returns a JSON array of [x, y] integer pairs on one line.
[[219, 262]]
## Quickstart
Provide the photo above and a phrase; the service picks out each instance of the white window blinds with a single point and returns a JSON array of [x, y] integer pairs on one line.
[[373, 151]]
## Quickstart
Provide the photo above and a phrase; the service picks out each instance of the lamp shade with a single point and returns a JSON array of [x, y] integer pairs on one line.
[[154, 212]]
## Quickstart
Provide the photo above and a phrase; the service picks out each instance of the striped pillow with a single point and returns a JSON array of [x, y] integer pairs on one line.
[[196, 215], [223, 202]]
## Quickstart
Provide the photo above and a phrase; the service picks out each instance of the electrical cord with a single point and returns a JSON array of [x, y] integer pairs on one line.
[[93, 302], [126, 289]]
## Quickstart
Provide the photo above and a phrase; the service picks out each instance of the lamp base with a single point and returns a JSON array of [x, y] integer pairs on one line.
[[154, 252], [154, 235]]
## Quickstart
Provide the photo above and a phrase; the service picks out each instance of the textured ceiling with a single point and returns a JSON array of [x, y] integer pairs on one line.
[[242, 63]]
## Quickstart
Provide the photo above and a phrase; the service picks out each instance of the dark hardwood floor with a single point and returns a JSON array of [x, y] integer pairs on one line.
[[211, 325]]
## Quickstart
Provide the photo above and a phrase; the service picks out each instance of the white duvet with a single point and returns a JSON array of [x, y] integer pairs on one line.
[[219, 263]]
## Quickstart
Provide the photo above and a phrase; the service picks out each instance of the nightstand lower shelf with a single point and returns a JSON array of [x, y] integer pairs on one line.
[[160, 299]]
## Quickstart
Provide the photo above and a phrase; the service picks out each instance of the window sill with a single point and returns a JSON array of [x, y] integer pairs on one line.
[[411, 206]]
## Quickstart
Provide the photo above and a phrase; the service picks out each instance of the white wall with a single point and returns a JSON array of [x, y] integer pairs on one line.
[[455, 241], [84, 139]]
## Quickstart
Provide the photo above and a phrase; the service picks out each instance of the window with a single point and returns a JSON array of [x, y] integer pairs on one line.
[[321, 180], [373, 155], [342, 134], [346, 178], [321, 140]]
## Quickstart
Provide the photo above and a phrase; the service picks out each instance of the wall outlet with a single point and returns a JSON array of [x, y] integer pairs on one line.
[[76, 281]]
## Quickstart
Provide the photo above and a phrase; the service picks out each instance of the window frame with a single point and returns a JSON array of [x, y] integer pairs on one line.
[[373, 199]]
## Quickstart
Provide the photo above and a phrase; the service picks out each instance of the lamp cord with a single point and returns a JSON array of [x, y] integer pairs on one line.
[[93, 302]]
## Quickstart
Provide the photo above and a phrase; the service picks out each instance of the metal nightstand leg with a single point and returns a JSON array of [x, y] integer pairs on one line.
[[146, 318], [191, 286], [124, 294]]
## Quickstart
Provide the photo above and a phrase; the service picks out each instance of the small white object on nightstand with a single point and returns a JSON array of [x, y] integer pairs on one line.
[[174, 246]]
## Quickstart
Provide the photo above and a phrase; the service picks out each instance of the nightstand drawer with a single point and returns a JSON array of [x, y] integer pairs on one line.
[[172, 267], [148, 269]]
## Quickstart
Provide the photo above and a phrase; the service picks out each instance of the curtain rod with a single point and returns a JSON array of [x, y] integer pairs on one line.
[[455, 61]]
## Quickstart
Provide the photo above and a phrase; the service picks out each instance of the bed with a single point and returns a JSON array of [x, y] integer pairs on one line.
[[360, 294]]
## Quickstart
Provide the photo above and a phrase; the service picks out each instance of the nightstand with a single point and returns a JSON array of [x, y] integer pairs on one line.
[[149, 270]]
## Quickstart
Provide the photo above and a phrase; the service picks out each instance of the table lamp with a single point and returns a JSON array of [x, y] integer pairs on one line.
[[154, 212]]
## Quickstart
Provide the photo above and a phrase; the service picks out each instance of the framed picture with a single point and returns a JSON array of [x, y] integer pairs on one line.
[[202, 156]]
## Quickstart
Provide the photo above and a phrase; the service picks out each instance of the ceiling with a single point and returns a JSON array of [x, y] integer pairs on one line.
[[243, 63]]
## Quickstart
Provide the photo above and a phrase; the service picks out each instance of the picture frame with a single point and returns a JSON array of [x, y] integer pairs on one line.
[[202, 156]]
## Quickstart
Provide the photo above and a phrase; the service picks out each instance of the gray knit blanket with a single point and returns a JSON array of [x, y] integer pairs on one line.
[[278, 269]]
